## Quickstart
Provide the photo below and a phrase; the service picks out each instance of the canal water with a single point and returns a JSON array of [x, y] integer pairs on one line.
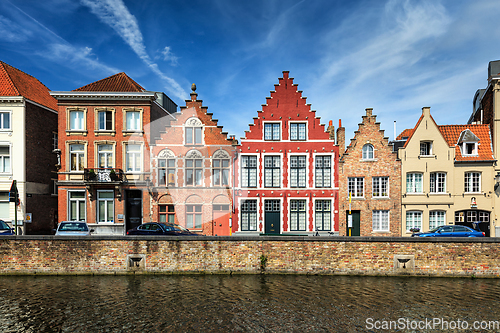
[[243, 303]]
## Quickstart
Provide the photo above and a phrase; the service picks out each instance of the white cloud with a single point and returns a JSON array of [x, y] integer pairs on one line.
[[115, 14], [169, 56], [12, 32]]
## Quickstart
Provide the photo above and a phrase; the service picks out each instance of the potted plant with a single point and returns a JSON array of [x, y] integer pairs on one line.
[[92, 175], [113, 175]]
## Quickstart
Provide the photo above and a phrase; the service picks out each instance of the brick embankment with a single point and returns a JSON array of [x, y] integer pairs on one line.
[[250, 255]]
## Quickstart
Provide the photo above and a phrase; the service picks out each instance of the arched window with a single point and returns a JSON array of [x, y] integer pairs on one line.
[[368, 152], [193, 131]]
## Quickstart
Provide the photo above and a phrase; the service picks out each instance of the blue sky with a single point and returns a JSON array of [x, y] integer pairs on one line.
[[393, 56]]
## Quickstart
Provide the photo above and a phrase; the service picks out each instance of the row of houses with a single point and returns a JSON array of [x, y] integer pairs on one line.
[[116, 155]]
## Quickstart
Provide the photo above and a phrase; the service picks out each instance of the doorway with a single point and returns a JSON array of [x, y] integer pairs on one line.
[[272, 216], [220, 218], [133, 208], [355, 230]]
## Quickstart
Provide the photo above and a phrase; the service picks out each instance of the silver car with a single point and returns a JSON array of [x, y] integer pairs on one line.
[[73, 228]]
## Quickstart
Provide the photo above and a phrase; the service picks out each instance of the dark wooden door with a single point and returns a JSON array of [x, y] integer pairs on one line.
[[272, 218], [355, 230], [133, 208]]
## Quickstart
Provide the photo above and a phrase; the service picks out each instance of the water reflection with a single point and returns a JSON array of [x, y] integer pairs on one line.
[[235, 303]]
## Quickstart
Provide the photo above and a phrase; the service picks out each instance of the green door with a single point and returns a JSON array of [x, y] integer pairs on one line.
[[272, 216], [355, 230]]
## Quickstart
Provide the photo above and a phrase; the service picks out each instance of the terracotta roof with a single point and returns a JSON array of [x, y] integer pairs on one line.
[[120, 82], [14, 82], [451, 133], [405, 134]]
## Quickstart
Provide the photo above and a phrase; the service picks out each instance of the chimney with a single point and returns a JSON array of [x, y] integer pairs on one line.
[[426, 111], [341, 138], [331, 130]]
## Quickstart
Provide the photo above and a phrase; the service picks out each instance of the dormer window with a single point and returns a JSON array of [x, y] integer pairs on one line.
[[425, 148], [368, 152], [469, 148], [468, 143]]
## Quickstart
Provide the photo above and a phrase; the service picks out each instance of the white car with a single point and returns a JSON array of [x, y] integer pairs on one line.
[[73, 228]]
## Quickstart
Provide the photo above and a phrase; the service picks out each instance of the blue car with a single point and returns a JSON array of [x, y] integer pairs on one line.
[[5, 229], [450, 231]]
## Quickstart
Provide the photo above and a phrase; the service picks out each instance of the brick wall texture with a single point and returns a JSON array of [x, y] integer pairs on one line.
[[288, 255]]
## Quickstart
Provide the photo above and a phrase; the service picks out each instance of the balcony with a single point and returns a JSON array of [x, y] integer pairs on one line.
[[103, 175]]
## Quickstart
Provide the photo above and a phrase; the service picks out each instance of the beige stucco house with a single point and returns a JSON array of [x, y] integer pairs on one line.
[[447, 176]]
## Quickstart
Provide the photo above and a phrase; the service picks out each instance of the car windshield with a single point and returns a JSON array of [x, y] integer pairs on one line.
[[435, 229], [4, 226], [73, 226]]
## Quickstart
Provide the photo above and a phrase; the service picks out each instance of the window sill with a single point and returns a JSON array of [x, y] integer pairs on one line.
[[368, 160], [412, 193], [381, 198], [426, 156], [103, 132], [473, 193], [131, 132], [381, 232], [76, 132]]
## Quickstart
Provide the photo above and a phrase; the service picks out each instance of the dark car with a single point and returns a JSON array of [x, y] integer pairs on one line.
[[5, 229], [450, 231], [159, 229]]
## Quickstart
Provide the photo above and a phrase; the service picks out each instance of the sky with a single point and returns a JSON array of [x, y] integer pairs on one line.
[[394, 56]]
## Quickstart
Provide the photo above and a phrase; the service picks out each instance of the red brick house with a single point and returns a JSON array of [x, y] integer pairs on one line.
[[28, 135], [286, 172], [370, 183], [104, 135], [192, 168]]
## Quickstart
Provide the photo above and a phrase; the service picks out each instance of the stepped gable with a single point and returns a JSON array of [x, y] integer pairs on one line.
[[286, 102], [14, 82], [451, 133], [369, 118], [120, 82], [195, 107]]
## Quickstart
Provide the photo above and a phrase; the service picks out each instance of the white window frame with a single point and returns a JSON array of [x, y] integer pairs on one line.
[[298, 171], [272, 169], [252, 215], [69, 123], [474, 150], [247, 170], [106, 154], [322, 222], [380, 220], [6, 160], [355, 183], [106, 201], [98, 112], [368, 152], [413, 180], [437, 218], [136, 122], [167, 170], [79, 154], [425, 148], [78, 201], [379, 184], [299, 213], [4, 201], [437, 182], [320, 172], [413, 219], [133, 154], [221, 169], [273, 132], [198, 178], [296, 136], [3, 114], [194, 213], [469, 180]]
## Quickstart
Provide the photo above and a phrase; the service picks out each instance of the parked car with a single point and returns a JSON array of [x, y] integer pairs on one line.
[[158, 229], [450, 231], [5, 229], [73, 228]]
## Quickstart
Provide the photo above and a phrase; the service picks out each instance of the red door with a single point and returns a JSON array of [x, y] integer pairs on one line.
[[221, 220]]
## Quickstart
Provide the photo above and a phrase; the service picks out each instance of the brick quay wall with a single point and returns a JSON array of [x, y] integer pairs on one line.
[[250, 255]]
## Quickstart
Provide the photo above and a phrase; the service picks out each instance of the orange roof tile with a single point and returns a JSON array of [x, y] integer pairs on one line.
[[451, 133], [405, 134], [120, 82], [14, 82]]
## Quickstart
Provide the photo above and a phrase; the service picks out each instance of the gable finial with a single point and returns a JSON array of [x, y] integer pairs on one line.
[[193, 87]]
